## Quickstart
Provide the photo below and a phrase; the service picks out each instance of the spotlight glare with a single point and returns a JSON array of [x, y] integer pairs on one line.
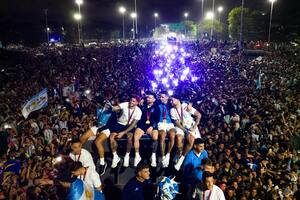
[[170, 92], [164, 80]]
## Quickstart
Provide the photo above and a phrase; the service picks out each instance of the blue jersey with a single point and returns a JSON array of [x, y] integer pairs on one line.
[[165, 112], [191, 166]]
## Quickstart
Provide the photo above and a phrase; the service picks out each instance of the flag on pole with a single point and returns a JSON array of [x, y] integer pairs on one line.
[[258, 81], [36, 102]]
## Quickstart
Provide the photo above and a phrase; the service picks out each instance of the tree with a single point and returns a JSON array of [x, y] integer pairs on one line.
[[159, 32], [219, 28], [254, 25]]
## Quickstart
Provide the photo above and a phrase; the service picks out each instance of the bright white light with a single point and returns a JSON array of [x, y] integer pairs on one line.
[[156, 15], [182, 77], [209, 15], [170, 92], [186, 14], [186, 71], [164, 80], [58, 159], [220, 9], [133, 15], [122, 10], [175, 82], [6, 126], [154, 85], [194, 79], [168, 48], [79, 2], [272, 1], [87, 91], [48, 29], [77, 16]]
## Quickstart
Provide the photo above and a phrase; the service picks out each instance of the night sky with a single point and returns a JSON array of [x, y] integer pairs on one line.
[[24, 14]]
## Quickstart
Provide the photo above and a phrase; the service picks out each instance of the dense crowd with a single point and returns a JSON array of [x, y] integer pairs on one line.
[[235, 129]]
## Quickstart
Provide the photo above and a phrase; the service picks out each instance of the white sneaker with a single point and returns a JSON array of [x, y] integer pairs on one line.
[[179, 163], [126, 161], [137, 159], [165, 161], [115, 161], [153, 161]]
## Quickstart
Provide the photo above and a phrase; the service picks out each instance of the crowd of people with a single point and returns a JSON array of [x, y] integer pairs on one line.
[[232, 134]]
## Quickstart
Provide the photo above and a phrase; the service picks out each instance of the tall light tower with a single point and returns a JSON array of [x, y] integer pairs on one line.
[[220, 10], [212, 23], [186, 15], [202, 9], [78, 17], [122, 10], [135, 11], [79, 3], [210, 16], [133, 16], [155, 18], [270, 24]]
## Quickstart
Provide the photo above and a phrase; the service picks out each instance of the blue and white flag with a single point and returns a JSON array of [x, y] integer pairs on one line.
[[79, 190], [36, 102], [258, 81], [168, 188]]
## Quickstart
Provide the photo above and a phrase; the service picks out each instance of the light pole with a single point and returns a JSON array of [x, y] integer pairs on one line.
[[202, 9], [47, 28], [135, 11], [133, 16], [155, 18], [220, 10], [79, 3], [210, 16], [122, 10], [78, 17], [212, 24], [186, 15], [270, 24], [241, 28]]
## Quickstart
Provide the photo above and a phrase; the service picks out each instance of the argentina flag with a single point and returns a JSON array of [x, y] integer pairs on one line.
[[79, 190], [36, 102]]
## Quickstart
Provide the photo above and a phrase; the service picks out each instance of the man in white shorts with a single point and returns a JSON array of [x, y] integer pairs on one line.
[[130, 115], [165, 126], [186, 126]]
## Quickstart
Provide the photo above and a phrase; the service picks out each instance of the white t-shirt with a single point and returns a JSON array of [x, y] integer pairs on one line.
[[85, 158], [216, 194], [135, 113], [188, 120], [91, 178]]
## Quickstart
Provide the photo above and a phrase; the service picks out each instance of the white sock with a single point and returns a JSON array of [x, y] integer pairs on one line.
[[167, 155], [102, 162], [115, 154], [181, 159], [153, 154], [137, 154], [127, 154]]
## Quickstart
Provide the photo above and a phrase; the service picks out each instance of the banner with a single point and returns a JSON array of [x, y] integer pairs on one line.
[[36, 102]]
